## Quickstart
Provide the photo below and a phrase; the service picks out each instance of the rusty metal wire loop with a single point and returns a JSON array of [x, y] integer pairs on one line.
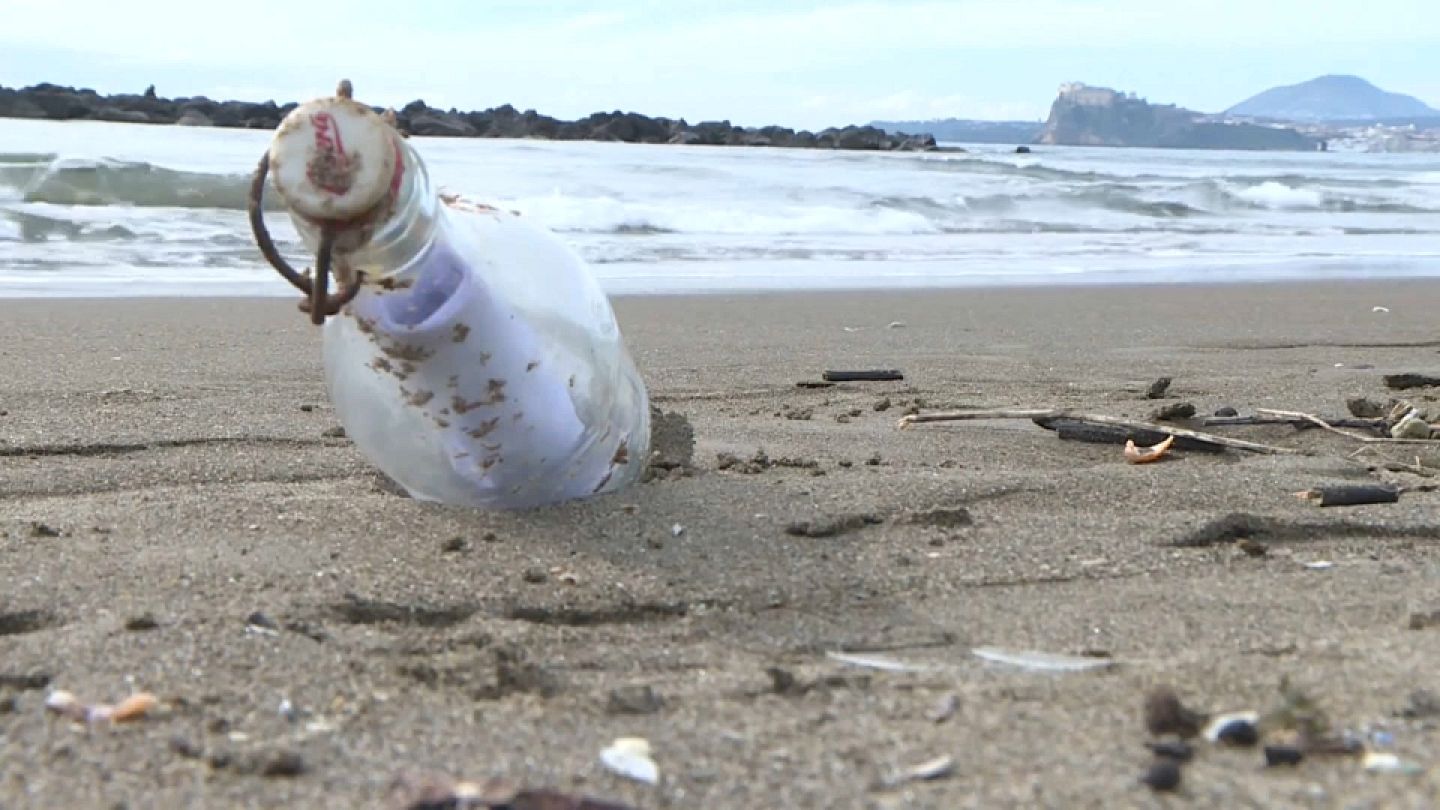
[[318, 300]]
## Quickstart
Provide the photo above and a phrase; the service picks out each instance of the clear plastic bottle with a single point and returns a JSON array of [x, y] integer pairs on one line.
[[480, 363]]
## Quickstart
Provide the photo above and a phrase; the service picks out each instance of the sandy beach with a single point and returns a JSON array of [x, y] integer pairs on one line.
[[177, 515]]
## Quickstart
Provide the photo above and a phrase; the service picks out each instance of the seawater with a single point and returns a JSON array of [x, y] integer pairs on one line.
[[102, 209]]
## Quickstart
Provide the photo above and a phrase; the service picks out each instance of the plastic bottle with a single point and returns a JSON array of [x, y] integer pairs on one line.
[[480, 362]]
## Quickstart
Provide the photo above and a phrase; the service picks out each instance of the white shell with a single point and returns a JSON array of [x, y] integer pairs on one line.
[[1220, 721], [630, 757]]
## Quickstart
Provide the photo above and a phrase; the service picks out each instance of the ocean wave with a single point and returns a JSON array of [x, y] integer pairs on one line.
[[21, 226], [69, 181], [1275, 196]]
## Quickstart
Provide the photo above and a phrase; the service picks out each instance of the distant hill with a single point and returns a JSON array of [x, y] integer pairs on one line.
[[1099, 116], [1332, 98], [961, 130]]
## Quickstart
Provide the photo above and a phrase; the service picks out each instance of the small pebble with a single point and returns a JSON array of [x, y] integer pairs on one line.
[[1226, 411], [307, 408], [453, 544], [1276, 755], [1239, 733], [1175, 410], [260, 620], [145, 621], [336, 432], [1165, 714], [1177, 750], [1162, 776], [634, 700], [535, 575], [186, 747], [283, 764], [944, 708]]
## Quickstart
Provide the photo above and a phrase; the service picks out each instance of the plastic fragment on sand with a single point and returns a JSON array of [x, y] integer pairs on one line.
[[873, 662], [1042, 661]]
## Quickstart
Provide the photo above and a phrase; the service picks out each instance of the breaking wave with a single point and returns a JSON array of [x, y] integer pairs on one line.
[[40, 178]]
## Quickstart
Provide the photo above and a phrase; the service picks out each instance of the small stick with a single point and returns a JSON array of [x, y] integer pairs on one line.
[[1312, 419], [876, 375], [1248, 421], [1043, 415], [1322, 423], [1357, 495]]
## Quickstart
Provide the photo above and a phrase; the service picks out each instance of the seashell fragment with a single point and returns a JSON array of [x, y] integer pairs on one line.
[[1234, 728], [630, 757], [1378, 762], [66, 704], [134, 707], [1144, 455]]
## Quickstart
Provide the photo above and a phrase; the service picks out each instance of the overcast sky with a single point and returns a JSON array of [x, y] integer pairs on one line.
[[792, 62]]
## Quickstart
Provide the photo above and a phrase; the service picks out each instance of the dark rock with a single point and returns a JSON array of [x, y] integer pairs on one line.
[[418, 118], [1238, 732], [1022, 150], [1282, 755], [1166, 715], [1226, 411], [1175, 410], [258, 619], [1158, 388], [1401, 382], [1172, 749], [14, 105], [1365, 408], [440, 125], [634, 700], [1162, 776], [145, 621]]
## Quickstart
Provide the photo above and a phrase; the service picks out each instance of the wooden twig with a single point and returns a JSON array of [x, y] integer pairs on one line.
[[1322, 423], [1250, 421], [1312, 419], [1042, 415]]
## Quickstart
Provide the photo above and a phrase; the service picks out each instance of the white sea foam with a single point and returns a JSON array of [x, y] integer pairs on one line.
[[126, 209], [1278, 195]]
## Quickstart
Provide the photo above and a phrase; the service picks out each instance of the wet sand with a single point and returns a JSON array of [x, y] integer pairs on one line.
[[166, 473]]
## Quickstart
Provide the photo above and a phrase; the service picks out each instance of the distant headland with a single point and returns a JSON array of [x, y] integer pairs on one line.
[[53, 102], [1314, 115], [1329, 111]]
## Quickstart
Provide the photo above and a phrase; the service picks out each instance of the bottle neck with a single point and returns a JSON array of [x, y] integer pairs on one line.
[[387, 245]]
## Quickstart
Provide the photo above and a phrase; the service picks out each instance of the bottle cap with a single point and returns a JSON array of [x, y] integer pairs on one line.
[[333, 158]]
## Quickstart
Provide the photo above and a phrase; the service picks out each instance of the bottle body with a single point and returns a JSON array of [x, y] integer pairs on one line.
[[481, 364]]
